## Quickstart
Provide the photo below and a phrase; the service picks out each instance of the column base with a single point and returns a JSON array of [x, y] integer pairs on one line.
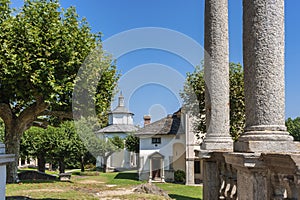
[[266, 146], [266, 141], [217, 144]]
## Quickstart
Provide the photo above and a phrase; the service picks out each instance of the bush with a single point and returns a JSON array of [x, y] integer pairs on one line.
[[179, 176], [90, 167]]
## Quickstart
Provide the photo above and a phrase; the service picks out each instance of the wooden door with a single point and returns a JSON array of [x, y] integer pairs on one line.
[[156, 164]]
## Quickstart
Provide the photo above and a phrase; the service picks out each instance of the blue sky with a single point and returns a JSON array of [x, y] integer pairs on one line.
[[186, 17]]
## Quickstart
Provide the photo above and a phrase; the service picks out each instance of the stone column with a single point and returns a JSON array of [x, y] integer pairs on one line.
[[162, 170], [216, 74], [189, 149], [190, 175], [263, 43], [150, 172]]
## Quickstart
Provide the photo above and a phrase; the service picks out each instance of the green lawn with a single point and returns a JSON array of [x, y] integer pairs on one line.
[[90, 185]]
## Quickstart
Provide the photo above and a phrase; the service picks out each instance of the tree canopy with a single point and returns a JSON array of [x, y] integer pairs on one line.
[[42, 47], [293, 127], [132, 143], [193, 96], [56, 145]]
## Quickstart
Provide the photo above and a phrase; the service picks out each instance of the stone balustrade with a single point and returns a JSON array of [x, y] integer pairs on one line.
[[252, 176], [265, 162]]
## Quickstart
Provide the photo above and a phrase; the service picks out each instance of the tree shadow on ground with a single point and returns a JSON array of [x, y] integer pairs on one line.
[[27, 198], [39, 181], [180, 197], [127, 175]]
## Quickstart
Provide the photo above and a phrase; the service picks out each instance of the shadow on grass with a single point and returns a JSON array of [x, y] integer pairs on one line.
[[127, 175], [27, 198], [180, 197], [37, 181]]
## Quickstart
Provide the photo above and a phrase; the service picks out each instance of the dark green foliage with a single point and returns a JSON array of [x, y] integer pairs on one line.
[[57, 145], [193, 96], [293, 127], [132, 143], [42, 47], [2, 128], [179, 176], [117, 141]]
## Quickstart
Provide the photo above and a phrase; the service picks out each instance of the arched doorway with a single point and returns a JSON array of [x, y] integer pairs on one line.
[[156, 167]]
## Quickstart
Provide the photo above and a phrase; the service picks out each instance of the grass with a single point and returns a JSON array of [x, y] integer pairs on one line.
[[182, 192], [89, 185]]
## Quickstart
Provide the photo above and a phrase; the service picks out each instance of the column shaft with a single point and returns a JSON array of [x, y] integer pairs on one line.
[[150, 172], [216, 69], [263, 43]]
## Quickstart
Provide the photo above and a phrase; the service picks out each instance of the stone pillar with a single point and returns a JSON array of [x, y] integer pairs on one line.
[[252, 184], [162, 170], [4, 159], [253, 181], [150, 170], [211, 179], [189, 149], [190, 175], [216, 74], [263, 42]]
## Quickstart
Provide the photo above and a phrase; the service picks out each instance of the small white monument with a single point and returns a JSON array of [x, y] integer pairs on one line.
[[4, 159]]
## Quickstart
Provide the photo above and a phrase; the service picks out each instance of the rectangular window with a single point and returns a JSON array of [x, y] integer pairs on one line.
[[156, 140], [197, 167]]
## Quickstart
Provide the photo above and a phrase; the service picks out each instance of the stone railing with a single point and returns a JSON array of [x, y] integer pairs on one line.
[[228, 180], [251, 176]]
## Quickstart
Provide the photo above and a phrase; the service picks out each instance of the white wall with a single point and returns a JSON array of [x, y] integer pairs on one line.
[[2, 181], [165, 148], [122, 119]]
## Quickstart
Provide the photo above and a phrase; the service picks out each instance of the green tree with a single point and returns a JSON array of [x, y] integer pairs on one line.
[[293, 127], [193, 96], [98, 145], [42, 46], [2, 128], [57, 145], [132, 143], [68, 145], [37, 143]]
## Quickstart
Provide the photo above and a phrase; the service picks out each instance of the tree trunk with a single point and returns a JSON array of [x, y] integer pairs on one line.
[[15, 125], [104, 164], [41, 163], [12, 146], [82, 164], [62, 166]]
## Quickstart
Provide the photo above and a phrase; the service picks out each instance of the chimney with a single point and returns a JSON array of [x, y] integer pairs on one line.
[[147, 120]]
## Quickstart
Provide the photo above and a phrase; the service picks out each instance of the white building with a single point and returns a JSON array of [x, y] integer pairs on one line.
[[168, 145], [120, 124]]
